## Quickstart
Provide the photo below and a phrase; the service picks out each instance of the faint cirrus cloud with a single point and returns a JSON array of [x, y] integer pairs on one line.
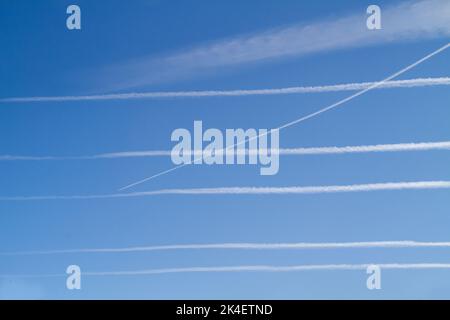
[[407, 21]]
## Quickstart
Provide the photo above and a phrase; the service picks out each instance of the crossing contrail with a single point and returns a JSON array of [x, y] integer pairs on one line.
[[399, 147], [248, 268], [411, 83], [310, 115], [249, 191], [244, 246]]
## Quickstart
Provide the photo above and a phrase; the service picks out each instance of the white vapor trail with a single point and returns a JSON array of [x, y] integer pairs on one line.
[[399, 147], [310, 115], [250, 268], [411, 83], [265, 268], [245, 246], [250, 190]]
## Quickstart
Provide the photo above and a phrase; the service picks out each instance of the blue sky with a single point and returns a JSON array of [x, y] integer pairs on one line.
[[125, 48]]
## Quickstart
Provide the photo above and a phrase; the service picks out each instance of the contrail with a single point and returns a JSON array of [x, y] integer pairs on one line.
[[249, 190], [264, 268], [309, 116], [411, 83], [399, 147], [249, 268], [245, 246]]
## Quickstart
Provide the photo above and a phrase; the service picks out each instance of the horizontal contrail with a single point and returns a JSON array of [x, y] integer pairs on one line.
[[249, 268], [419, 82], [264, 268], [245, 246], [249, 190], [399, 147]]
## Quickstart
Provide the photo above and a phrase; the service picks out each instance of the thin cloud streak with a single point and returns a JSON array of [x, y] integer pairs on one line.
[[402, 22], [389, 186], [250, 268], [411, 83], [245, 246], [265, 268], [399, 147]]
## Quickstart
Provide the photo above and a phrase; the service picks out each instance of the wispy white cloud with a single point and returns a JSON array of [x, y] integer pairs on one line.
[[398, 147], [407, 21], [411, 83], [266, 268], [249, 191], [245, 246], [251, 268]]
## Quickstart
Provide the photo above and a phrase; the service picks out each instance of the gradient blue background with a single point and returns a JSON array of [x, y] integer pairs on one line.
[[39, 56]]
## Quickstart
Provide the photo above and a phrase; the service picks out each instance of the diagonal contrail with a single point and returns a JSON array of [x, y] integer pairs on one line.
[[410, 83], [244, 246], [309, 116], [398, 147], [419, 185]]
